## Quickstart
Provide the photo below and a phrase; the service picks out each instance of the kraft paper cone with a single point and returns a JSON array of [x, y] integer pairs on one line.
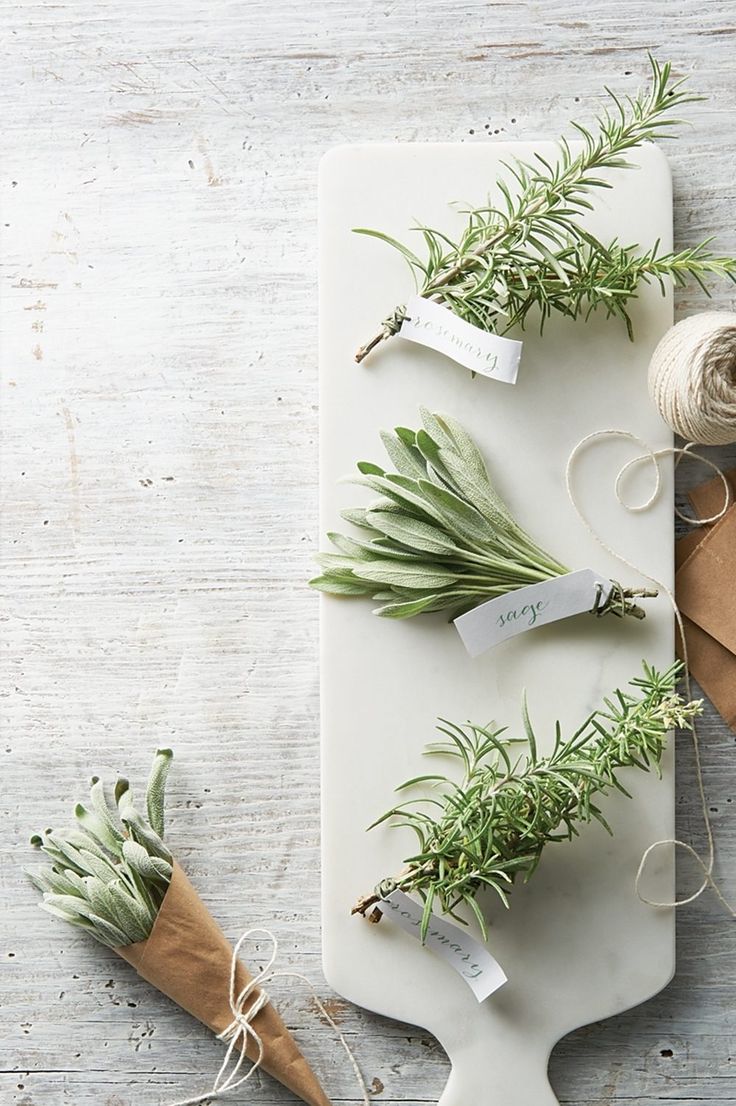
[[188, 958]]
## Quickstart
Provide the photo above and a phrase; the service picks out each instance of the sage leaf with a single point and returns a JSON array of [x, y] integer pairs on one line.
[[350, 546], [150, 867], [398, 574], [408, 608], [412, 532], [461, 518], [406, 459], [355, 515], [156, 790], [404, 492], [336, 586]]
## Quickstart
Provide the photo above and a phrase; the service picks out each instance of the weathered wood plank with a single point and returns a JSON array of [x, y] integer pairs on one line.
[[159, 491]]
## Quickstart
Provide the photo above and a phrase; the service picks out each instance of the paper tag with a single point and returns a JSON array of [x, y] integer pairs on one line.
[[471, 960], [523, 609], [431, 324]]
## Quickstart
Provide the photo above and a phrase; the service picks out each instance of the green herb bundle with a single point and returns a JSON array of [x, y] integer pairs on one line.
[[110, 873], [530, 254], [440, 537], [490, 828], [113, 876]]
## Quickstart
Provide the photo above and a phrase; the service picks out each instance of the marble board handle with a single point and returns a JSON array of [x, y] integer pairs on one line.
[[499, 1070]]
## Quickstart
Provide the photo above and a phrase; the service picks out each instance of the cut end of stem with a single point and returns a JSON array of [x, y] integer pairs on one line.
[[363, 352], [364, 904], [389, 327]]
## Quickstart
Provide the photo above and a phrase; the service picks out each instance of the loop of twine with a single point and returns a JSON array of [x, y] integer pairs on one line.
[[692, 378], [241, 1028], [653, 456]]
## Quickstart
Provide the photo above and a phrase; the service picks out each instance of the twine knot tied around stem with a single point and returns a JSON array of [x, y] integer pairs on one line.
[[619, 600]]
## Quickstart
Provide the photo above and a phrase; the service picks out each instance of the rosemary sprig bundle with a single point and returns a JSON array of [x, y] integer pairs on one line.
[[490, 828], [440, 537], [110, 873], [531, 253]]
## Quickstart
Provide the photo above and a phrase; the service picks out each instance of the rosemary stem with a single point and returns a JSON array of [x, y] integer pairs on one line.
[[366, 349], [493, 826], [533, 251]]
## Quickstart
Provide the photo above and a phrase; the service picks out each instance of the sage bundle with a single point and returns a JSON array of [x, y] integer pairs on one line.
[[530, 255], [440, 537], [489, 829], [112, 876]]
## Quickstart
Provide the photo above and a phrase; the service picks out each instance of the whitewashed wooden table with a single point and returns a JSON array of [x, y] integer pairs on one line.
[[159, 483]]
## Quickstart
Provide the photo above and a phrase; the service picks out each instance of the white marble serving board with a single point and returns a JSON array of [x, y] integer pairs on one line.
[[576, 944]]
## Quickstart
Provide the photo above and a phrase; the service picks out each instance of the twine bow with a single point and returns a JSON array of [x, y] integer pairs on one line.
[[241, 1028]]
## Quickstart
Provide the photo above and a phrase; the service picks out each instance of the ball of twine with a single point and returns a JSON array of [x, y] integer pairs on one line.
[[692, 378]]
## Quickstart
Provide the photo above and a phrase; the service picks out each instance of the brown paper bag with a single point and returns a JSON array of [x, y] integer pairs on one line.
[[705, 560], [188, 958]]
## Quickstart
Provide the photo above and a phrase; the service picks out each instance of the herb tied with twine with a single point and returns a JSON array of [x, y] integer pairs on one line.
[[109, 875], [531, 253], [490, 829], [440, 537]]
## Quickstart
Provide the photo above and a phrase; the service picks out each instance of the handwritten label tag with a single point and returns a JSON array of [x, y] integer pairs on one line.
[[523, 609], [471, 960], [431, 324]]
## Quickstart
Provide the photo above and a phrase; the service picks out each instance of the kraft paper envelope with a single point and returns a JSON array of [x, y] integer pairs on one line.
[[705, 586]]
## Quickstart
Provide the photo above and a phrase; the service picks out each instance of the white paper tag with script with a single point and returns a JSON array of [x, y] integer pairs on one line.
[[520, 610], [471, 960], [431, 324]]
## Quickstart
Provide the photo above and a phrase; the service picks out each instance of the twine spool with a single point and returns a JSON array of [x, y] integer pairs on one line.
[[692, 378]]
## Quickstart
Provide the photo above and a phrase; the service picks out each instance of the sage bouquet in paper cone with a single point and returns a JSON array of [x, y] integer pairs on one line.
[[113, 876], [440, 537]]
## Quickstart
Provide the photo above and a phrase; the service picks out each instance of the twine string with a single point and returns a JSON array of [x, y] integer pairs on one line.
[[241, 1028], [653, 456]]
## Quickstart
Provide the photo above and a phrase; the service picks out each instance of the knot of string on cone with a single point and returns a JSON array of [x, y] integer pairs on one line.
[[241, 1028]]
